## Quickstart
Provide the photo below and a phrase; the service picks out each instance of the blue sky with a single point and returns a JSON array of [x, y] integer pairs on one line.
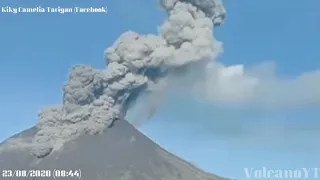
[[37, 51]]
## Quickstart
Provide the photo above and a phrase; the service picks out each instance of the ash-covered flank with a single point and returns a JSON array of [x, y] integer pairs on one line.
[[120, 153]]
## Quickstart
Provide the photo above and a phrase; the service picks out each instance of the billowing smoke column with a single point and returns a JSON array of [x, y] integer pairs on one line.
[[94, 99]]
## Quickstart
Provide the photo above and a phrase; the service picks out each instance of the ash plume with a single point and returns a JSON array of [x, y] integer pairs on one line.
[[94, 99]]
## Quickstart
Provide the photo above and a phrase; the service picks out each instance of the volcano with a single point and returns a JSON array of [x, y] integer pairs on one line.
[[120, 153], [86, 135]]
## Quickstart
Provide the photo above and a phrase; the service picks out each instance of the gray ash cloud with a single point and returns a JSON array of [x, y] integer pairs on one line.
[[93, 99]]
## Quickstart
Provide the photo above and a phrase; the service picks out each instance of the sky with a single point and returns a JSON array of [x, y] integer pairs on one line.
[[37, 51]]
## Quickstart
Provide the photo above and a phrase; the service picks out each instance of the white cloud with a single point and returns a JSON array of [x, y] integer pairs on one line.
[[235, 85]]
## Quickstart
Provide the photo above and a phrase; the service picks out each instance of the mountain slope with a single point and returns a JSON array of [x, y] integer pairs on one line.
[[120, 153]]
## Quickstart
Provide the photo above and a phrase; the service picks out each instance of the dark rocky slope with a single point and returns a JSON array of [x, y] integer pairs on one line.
[[120, 153]]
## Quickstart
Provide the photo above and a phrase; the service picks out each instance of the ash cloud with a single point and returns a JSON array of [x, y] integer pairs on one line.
[[135, 64]]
